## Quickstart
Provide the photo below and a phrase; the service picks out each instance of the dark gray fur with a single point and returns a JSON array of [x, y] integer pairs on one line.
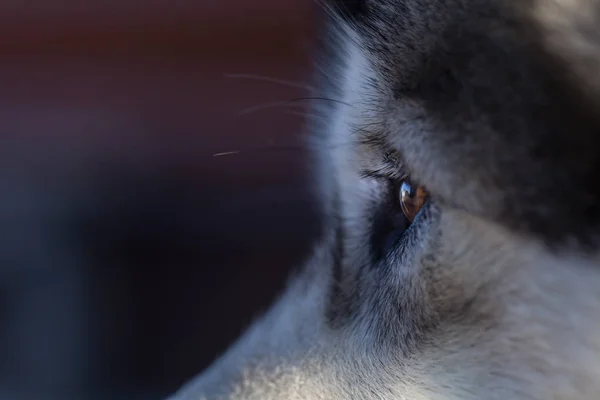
[[505, 111]]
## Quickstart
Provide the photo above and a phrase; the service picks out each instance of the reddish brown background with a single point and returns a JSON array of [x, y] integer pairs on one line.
[[131, 256]]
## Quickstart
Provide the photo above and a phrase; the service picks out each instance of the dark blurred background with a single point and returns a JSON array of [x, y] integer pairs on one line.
[[131, 252]]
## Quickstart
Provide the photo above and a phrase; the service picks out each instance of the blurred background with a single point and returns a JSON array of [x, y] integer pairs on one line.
[[132, 251]]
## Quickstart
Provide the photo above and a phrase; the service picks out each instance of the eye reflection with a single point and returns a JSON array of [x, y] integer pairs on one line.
[[411, 199]]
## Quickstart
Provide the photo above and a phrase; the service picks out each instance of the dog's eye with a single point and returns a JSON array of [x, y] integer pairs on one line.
[[411, 199]]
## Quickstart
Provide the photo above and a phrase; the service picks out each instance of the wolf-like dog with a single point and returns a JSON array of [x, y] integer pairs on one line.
[[456, 148]]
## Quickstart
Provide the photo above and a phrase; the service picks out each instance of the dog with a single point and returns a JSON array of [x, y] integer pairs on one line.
[[456, 149]]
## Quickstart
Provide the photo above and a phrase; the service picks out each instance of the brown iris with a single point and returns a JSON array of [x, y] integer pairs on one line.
[[412, 199]]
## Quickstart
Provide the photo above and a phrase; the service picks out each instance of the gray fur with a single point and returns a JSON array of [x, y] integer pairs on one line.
[[494, 290]]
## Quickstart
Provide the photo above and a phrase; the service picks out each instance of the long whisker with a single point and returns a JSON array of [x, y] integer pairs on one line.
[[287, 103], [262, 148], [322, 99], [264, 106], [304, 114], [226, 153], [284, 82], [327, 9]]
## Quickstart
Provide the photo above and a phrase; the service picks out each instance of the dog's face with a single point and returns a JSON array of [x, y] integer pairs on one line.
[[458, 172]]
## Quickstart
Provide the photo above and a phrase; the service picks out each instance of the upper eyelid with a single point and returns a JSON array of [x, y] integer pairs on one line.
[[388, 165], [382, 174], [390, 168], [373, 174]]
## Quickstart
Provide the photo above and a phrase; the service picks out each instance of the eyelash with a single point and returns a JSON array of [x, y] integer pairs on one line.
[[383, 174]]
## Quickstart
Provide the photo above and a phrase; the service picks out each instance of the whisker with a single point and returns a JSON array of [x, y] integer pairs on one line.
[[226, 153], [327, 9], [303, 114], [322, 99], [284, 82], [264, 106], [287, 103], [262, 148]]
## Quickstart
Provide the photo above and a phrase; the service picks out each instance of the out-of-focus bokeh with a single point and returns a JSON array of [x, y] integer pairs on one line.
[[132, 252]]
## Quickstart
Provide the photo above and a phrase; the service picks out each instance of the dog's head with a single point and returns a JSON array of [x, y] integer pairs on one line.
[[458, 168]]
